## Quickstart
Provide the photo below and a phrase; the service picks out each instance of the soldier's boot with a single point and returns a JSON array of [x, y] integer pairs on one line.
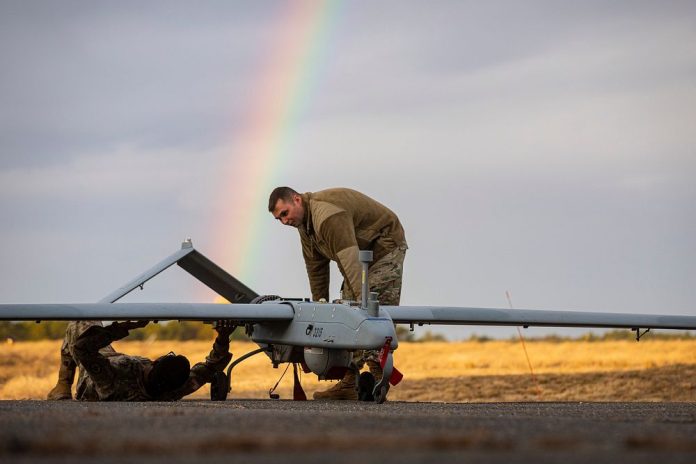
[[344, 390], [375, 370], [66, 376]]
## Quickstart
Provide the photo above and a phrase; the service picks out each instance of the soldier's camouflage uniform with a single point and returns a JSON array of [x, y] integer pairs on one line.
[[106, 375], [337, 224], [385, 279]]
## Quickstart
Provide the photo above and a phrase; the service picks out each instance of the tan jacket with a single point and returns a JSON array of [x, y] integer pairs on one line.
[[337, 224]]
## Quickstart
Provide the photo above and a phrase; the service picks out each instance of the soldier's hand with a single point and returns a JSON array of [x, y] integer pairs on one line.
[[224, 327], [130, 325]]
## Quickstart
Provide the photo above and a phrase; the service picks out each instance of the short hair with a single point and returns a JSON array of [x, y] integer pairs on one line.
[[168, 373], [280, 193]]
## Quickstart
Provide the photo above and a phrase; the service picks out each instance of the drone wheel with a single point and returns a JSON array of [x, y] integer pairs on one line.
[[381, 394], [366, 384], [219, 386]]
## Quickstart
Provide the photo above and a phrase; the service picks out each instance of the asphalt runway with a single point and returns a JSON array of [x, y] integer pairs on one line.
[[268, 431]]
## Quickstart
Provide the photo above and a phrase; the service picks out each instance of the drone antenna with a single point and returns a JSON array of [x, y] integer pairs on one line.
[[524, 347]]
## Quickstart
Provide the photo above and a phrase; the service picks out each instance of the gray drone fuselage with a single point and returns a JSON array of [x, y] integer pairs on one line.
[[327, 325], [323, 336]]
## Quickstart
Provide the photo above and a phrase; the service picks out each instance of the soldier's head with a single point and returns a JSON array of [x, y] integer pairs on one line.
[[168, 373], [286, 205]]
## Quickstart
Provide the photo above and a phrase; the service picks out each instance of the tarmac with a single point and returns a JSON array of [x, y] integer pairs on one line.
[[272, 431]]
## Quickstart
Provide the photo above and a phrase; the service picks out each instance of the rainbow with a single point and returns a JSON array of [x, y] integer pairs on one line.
[[280, 95]]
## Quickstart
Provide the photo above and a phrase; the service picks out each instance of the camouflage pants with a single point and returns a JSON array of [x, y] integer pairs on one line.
[[384, 278], [95, 369]]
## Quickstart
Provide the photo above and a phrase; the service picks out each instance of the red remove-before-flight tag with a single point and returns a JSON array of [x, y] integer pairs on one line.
[[396, 375]]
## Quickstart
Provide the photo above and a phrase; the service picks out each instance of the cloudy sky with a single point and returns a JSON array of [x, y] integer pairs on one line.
[[543, 148]]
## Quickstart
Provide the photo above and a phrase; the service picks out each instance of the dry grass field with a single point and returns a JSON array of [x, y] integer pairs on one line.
[[471, 371]]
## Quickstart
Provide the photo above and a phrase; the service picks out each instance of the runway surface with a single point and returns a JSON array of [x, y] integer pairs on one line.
[[268, 431]]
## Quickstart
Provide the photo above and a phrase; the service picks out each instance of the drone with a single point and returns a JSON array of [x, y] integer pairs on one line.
[[318, 336]]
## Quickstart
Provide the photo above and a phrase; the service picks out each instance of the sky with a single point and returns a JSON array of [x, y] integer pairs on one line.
[[547, 149]]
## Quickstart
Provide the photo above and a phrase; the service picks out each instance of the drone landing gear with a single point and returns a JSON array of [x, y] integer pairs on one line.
[[381, 393], [382, 388], [366, 387], [371, 390]]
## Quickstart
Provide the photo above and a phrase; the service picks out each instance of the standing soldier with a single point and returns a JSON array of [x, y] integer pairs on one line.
[[334, 224]]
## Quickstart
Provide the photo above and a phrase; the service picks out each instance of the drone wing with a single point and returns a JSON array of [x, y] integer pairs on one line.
[[241, 313], [190, 260], [448, 315], [200, 267]]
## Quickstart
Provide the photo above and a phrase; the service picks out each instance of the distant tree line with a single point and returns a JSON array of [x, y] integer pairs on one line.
[[55, 330], [406, 335], [626, 334], [612, 335]]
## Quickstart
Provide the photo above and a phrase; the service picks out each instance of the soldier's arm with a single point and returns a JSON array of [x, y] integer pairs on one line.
[[339, 232], [318, 270], [202, 372]]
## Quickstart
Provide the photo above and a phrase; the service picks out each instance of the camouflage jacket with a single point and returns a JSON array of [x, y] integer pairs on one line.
[[337, 224], [106, 375]]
